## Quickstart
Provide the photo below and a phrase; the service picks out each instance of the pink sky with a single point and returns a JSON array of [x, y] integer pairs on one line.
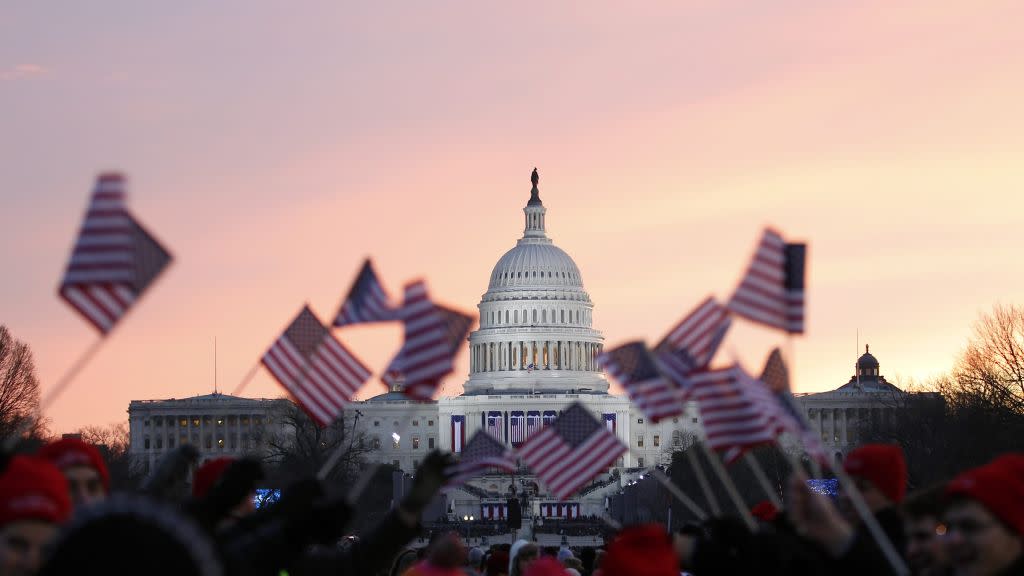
[[272, 149]]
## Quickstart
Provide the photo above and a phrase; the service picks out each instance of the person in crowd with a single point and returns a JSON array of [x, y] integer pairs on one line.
[[924, 531], [34, 502], [403, 562], [474, 560], [82, 466], [547, 565], [446, 557], [497, 563], [644, 550], [521, 555], [879, 471], [209, 474], [984, 519]]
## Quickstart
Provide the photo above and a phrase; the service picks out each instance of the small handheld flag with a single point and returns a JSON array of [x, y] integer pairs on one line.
[[772, 291], [114, 259], [367, 301]]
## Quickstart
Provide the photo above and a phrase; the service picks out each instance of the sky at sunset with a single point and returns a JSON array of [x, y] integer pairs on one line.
[[272, 148]]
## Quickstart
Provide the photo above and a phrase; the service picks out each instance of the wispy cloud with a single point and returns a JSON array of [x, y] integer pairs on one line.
[[22, 71]]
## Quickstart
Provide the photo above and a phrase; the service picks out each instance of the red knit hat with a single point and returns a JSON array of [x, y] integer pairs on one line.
[[998, 486], [33, 489], [765, 511], [70, 452], [641, 551], [883, 465], [208, 474]]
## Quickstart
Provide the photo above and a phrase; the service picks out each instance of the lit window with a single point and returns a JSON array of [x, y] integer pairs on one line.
[[195, 422], [220, 421]]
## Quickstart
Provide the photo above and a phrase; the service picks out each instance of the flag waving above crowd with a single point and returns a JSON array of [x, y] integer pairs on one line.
[[320, 373], [482, 453], [433, 335], [772, 291], [571, 451], [367, 301], [114, 259], [633, 366]]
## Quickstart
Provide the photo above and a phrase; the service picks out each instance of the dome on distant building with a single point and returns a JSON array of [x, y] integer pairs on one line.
[[535, 319], [867, 377], [867, 360]]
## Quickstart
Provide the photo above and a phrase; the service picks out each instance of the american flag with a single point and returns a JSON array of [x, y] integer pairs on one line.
[[733, 413], [772, 291], [114, 259], [433, 335], [495, 423], [633, 366], [776, 377], [517, 427], [480, 454], [315, 368], [367, 301], [699, 334], [533, 423], [570, 451]]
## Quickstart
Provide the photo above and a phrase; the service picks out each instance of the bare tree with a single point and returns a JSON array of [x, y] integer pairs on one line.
[[19, 386], [112, 441], [991, 368], [300, 447]]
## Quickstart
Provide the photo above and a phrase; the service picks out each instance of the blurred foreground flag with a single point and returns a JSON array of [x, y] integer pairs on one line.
[[114, 259], [634, 367], [776, 377], [734, 415], [433, 334], [320, 373], [772, 291], [482, 453], [571, 451], [697, 336], [367, 301]]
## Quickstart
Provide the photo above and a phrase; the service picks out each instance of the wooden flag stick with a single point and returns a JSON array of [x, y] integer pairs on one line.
[[702, 480], [248, 378], [870, 522], [54, 393], [762, 479], [730, 488], [679, 495]]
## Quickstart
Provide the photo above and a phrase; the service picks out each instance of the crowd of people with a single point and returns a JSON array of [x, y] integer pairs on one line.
[[58, 516]]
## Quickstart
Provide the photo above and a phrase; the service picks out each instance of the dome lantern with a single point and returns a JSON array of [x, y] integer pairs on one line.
[[534, 211]]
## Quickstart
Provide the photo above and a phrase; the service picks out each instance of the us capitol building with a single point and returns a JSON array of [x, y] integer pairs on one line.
[[533, 354]]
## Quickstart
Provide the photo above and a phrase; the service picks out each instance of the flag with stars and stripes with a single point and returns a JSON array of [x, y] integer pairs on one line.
[[699, 334], [735, 415], [571, 451], [367, 301], [433, 335], [114, 259], [776, 377], [481, 453], [633, 366], [316, 369], [772, 291]]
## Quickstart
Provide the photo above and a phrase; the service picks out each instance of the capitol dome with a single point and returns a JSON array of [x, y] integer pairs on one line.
[[535, 319], [535, 265]]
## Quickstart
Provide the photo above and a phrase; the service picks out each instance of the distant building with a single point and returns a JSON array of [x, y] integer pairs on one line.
[[533, 354], [216, 424], [846, 416]]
